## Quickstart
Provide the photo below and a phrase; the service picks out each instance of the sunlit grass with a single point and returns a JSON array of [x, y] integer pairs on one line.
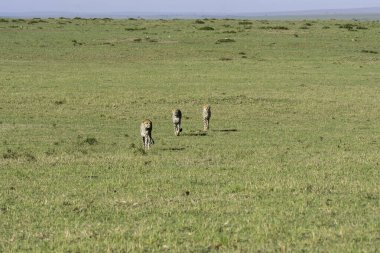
[[290, 162]]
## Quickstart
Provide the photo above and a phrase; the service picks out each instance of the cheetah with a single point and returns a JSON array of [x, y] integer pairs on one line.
[[146, 133], [206, 117], [177, 117]]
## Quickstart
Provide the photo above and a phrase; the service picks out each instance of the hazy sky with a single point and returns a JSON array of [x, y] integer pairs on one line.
[[225, 6]]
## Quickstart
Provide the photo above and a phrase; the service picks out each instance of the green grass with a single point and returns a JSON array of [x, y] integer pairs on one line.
[[290, 164]]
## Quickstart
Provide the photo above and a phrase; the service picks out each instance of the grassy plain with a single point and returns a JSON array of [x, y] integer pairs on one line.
[[291, 162]]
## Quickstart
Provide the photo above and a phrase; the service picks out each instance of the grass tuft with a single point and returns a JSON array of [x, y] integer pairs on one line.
[[206, 28], [277, 27], [369, 51], [225, 40], [11, 154], [135, 28], [245, 22], [90, 141], [198, 21], [60, 102], [76, 43]]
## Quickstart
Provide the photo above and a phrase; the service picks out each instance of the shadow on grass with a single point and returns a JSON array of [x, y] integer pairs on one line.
[[173, 149], [225, 130], [197, 133], [91, 177]]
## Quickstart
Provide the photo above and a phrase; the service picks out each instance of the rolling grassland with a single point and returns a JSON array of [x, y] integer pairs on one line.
[[290, 162]]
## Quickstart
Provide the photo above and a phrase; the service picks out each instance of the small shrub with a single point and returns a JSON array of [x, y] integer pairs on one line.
[[135, 28], [245, 22], [198, 21], [347, 26], [18, 20], [369, 51], [3, 20], [326, 27], [33, 22], [137, 40], [225, 40], [60, 102], [304, 27], [352, 27], [278, 27], [152, 40], [76, 43], [11, 154], [90, 141], [206, 28], [225, 59]]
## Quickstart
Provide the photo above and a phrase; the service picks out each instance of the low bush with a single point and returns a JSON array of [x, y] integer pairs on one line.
[[369, 51], [206, 28], [352, 27], [225, 40], [90, 141], [278, 27], [245, 22], [135, 28], [76, 43]]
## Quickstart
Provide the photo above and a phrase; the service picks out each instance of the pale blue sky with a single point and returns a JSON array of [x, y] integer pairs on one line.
[[225, 6]]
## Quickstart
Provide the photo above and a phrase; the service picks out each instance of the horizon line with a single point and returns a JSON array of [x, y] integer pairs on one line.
[[174, 14]]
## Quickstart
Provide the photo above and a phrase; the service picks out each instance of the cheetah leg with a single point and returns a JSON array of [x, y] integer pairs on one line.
[[151, 141], [205, 125], [147, 140]]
